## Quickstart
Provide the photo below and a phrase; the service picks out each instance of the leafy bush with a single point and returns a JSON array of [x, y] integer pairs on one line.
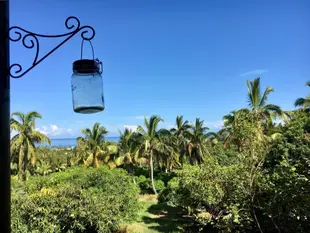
[[145, 185], [284, 203], [160, 185], [169, 194], [215, 196], [244, 196], [78, 200]]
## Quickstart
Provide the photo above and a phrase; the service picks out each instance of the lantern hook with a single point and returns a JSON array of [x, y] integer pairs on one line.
[[31, 40], [92, 49]]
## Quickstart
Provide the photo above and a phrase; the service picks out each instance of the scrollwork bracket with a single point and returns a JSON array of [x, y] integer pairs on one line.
[[31, 40]]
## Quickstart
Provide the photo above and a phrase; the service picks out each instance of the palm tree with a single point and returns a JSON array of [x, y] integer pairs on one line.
[[258, 101], [229, 119], [128, 150], [109, 153], [304, 102], [23, 143], [150, 140], [93, 141], [81, 153], [180, 131], [229, 123], [197, 146], [167, 153], [262, 112]]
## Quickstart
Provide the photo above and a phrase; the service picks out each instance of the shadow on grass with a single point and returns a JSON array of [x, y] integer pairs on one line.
[[166, 218]]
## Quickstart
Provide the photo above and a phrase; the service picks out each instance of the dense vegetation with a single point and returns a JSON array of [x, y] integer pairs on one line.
[[78, 200], [250, 176]]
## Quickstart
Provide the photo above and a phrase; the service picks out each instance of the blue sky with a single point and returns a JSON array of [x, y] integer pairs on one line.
[[162, 57]]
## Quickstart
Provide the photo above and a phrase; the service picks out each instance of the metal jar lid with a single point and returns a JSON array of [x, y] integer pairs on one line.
[[86, 66]]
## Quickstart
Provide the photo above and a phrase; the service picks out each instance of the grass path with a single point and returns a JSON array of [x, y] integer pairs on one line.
[[155, 217]]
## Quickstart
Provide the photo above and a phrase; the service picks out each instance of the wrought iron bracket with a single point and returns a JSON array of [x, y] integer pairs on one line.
[[31, 40]]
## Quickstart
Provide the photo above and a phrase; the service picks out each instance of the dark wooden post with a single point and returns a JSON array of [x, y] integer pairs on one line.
[[5, 188]]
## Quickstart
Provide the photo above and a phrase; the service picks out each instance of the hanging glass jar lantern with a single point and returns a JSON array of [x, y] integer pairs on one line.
[[87, 85]]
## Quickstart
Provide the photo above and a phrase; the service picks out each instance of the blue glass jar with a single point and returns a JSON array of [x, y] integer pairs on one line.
[[87, 86]]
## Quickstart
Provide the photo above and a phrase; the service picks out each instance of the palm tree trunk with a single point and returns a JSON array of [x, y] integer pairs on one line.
[[152, 173], [22, 166], [95, 160]]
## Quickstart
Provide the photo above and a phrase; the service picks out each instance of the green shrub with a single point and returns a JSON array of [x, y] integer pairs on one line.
[[245, 194], [146, 187], [159, 185], [212, 195], [169, 194], [284, 203], [78, 200], [144, 184]]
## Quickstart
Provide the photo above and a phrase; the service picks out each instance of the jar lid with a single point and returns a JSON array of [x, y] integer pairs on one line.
[[85, 66]]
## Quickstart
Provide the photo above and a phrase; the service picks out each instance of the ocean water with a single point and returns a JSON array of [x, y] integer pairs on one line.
[[69, 142]]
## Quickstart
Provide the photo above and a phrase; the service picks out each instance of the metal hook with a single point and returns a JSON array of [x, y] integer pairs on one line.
[[92, 49]]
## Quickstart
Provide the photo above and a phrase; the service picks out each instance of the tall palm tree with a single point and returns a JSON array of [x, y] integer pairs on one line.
[[128, 151], [167, 153], [93, 139], [150, 139], [180, 132], [304, 102], [197, 146], [128, 146], [262, 112], [23, 143], [258, 101]]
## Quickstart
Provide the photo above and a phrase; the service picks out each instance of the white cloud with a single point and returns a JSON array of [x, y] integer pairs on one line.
[[218, 125], [131, 127], [215, 124], [53, 130], [42, 130], [254, 72]]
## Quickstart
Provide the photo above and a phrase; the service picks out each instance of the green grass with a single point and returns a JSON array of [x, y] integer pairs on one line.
[[156, 217]]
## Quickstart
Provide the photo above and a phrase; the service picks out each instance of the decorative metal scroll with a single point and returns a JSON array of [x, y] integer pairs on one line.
[[31, 40]]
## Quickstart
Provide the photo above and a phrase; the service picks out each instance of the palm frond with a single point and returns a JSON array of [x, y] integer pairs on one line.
[[15, 125], [265, 96], [30, 118], [40, 137], [141, 130], [300, 102], [273, 108], [20, 116], [179, 121], [87, 132], [286, 116], [254, 95]]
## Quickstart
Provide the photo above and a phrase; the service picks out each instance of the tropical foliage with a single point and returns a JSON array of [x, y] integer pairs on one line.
[[250, 176], [304, 102], [78, 200], [23, 144], [151, 143], [92, 142]]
